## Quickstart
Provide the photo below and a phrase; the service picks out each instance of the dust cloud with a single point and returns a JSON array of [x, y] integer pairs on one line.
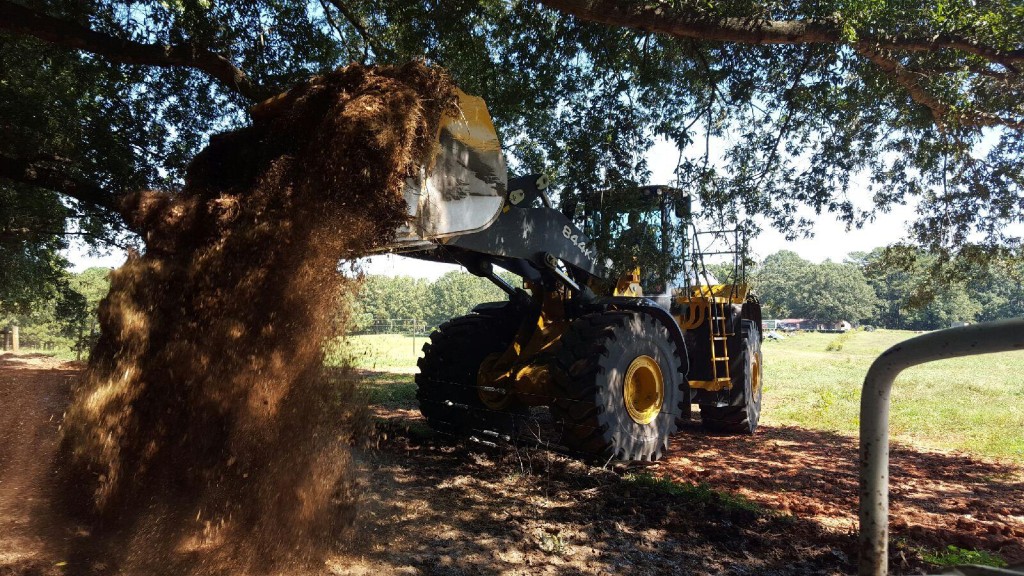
[[205, 433]]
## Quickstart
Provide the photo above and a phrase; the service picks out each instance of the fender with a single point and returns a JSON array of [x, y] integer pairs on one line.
[[649, 307]]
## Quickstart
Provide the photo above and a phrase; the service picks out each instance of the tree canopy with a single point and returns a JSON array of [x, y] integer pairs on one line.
[[778, 108], [866, 288], [791, 287]]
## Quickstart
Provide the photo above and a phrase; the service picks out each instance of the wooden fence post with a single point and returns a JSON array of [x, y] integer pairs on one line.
[[14, 338]]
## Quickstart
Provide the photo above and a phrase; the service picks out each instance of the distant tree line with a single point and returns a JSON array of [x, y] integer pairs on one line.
[[429, 303], [64, 317], [890, 287], [887, 287]]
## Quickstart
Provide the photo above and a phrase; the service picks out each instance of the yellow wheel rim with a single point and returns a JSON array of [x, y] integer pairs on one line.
[[643, 389], [755, 373], [488, 385]]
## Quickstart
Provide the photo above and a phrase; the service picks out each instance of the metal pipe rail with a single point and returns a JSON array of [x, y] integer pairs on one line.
[[1001, 336]]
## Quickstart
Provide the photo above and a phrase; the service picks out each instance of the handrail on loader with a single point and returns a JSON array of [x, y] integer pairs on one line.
[[989, 337]]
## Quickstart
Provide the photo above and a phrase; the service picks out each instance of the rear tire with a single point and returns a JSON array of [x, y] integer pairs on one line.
[[740, 408], [446, 386], [609, 404]]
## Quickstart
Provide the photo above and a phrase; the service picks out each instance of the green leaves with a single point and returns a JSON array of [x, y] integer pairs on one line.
[[456, 293], [955, 556], [64, 314], [765, 130]]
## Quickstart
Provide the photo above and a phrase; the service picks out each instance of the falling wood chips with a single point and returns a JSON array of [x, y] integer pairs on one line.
[[204, 419]]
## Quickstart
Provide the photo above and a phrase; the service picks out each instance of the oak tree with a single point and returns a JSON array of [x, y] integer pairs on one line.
[[779, 109]]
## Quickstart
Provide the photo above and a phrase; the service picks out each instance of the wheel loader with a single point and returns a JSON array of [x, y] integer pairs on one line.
[[619, 361]]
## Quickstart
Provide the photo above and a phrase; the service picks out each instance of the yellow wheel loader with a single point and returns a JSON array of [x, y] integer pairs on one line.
[[618, 362]]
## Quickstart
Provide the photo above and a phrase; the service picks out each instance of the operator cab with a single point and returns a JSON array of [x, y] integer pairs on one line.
[[639, 228], [651, 228]]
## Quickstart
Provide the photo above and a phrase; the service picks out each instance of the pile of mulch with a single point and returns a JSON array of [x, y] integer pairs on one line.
[[204, 426]]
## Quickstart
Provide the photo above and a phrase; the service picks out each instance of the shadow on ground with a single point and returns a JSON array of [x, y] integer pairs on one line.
[[781, 502], [447, 508], [937, 498], [502, 509]]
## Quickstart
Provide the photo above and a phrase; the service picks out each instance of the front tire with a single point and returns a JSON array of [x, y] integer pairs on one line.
[[619, 386], [740, 409], [446, 386]]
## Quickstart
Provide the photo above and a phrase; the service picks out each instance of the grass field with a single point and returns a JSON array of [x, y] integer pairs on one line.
[[973, 404], [385, 352]]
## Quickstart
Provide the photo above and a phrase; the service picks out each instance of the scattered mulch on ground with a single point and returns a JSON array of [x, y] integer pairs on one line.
[[810, 476], [780, 503], [452, 508], [34, 392], [936, 498]]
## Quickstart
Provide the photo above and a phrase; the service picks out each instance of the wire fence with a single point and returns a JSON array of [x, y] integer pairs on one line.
[[403, 326]]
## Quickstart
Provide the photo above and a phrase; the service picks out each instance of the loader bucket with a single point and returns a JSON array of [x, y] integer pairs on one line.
[[462, 188], [459, 189]]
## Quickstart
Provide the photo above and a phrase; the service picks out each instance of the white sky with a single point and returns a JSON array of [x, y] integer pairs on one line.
[[831, 241]]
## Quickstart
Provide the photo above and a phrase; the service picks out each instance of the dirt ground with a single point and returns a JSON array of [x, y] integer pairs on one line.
[[34, 392], [434, 506]]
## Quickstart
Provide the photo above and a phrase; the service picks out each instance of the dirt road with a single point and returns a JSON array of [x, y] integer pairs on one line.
[[34, 391], [783, 502]]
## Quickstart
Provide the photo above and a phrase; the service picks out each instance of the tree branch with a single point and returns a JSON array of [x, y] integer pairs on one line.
[[43, 174], [360, 26], [17, 19], [663, 18], [334, 24], [941, 112]]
